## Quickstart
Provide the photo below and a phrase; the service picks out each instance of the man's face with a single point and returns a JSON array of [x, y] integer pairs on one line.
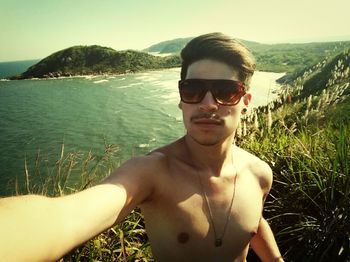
[[207, 122]]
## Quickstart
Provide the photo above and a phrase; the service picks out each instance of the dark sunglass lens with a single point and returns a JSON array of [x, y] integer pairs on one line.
[[227, 92], [191, 91]]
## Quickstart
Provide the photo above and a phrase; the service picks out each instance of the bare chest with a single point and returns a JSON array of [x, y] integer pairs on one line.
[[184, 224]]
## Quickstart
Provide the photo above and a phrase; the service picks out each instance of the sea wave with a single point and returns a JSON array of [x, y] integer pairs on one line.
[[100, 81], [143, 145]]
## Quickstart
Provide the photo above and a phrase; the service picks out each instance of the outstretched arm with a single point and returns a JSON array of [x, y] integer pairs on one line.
[[38, 228], [264, 243]]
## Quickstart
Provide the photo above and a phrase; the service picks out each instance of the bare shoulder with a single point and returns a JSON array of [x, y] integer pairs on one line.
[[259, 168], [138, 176], [145, 164], [141, 167]]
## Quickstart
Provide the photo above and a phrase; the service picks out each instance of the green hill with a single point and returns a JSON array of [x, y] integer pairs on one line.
[[315, 97], [85, 60], [271, 57], [173, 46], [323, 74]]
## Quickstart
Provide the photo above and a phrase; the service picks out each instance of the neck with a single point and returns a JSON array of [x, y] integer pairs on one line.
[[211, 158]]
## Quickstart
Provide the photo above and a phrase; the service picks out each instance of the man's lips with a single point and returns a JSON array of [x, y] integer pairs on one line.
[[206, 119]]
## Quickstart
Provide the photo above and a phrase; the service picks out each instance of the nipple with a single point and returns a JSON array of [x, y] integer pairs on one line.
[[253, 233], [183, 237]]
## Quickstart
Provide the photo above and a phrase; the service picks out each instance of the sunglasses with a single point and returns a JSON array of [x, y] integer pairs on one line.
[[225, 92]]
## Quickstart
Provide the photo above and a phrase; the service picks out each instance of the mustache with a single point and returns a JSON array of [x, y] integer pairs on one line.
[[204, 115]]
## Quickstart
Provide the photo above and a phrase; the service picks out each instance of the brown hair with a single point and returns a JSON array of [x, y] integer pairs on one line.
[[222, 48]]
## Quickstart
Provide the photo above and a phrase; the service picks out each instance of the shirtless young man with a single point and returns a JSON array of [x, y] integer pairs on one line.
[[201, 196]]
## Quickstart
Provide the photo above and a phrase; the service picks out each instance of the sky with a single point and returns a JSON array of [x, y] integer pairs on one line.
[[34, 29]]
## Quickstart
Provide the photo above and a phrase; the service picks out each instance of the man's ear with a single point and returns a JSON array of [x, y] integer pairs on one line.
[[180, 105]]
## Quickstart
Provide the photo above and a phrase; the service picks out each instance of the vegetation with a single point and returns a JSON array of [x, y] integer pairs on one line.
[[304, 136], [306, 142], [308, 206], [125, 242], [171, 46], [294, 57]]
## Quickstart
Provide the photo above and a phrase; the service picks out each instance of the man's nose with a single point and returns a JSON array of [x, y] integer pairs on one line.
[[208, 103]]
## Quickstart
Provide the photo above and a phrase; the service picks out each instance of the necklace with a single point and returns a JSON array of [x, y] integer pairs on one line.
[[218, 239]]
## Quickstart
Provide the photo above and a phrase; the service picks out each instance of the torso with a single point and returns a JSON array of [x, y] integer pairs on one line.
[[177, 218]]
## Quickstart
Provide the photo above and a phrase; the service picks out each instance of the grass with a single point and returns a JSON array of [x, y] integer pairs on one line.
[[308, 149], [125, 242], [308, 206]]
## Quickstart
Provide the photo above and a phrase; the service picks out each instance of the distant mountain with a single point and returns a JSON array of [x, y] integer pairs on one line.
[[176, 45], [173, 46], [85, 60], [320, 93], [8, 69], [270, 57], [324, 74]]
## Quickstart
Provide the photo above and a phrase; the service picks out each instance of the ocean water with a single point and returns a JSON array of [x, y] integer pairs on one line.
[[13, 68], [138, 112]]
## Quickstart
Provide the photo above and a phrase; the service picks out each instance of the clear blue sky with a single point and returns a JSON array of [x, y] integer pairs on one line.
[[33, 29]]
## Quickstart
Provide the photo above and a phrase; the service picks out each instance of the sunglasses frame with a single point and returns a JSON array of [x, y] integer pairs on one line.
[[208, 85]]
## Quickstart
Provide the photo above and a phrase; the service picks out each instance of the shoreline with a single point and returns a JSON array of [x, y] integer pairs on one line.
[[89, 76]]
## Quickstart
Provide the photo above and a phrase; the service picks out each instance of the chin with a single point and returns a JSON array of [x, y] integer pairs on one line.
[[210, 143], [205, 141]]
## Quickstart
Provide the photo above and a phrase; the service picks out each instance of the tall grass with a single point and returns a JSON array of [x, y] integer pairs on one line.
[[125, 242], [308, 148], [73, 172], [308, 206]]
